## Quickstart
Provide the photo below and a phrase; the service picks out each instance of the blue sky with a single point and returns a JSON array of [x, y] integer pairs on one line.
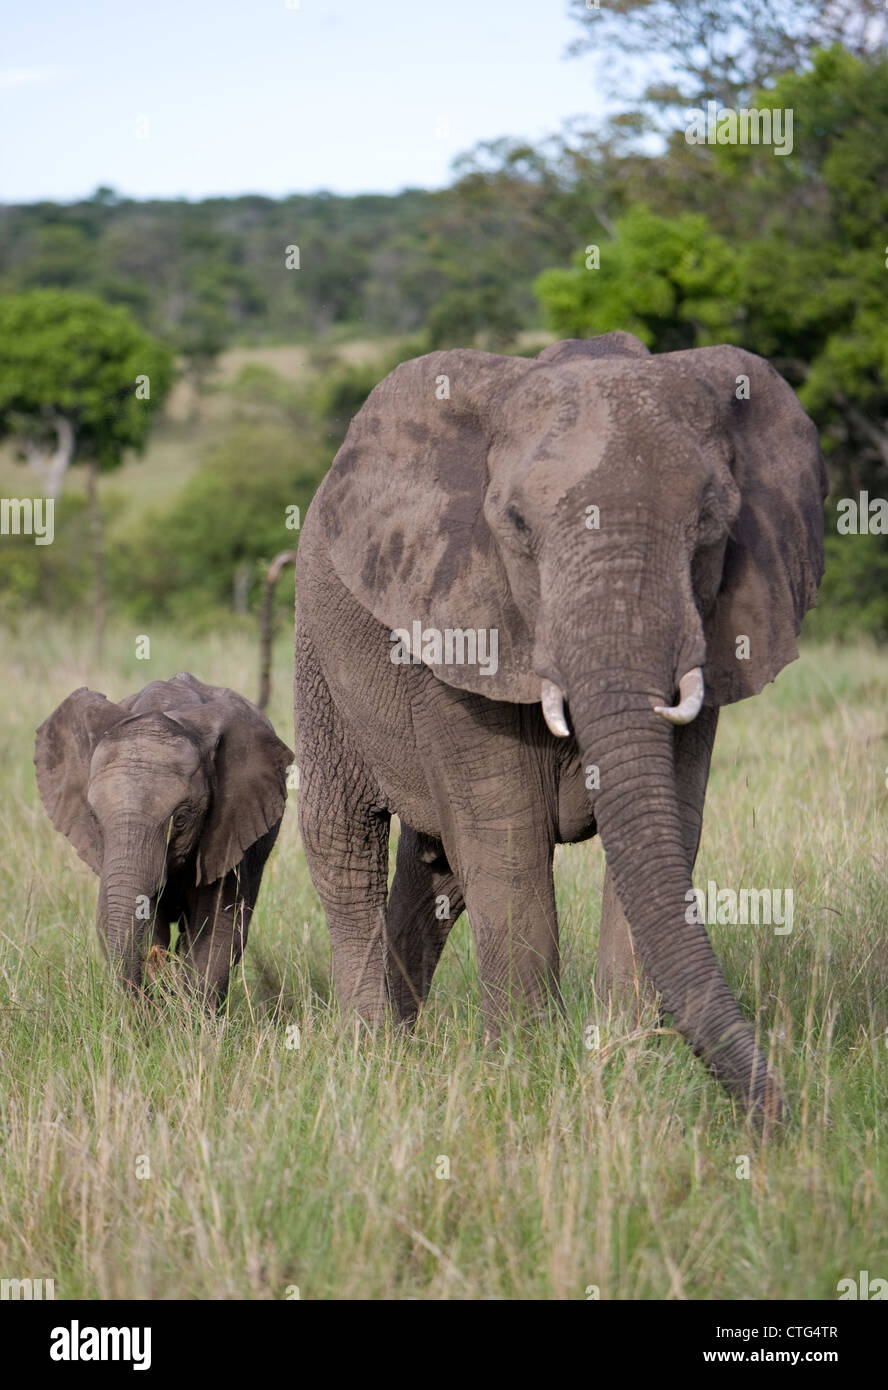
[[261, 96]]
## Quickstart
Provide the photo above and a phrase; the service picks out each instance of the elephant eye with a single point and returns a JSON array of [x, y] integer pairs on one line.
[[180, 820], [517, 520]]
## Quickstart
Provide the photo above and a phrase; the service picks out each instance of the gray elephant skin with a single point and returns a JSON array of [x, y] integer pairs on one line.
[[630, 525], [174, 797]]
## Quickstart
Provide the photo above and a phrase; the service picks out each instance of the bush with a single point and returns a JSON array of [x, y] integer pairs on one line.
[[59, 576], [230, 518], [854, 593]]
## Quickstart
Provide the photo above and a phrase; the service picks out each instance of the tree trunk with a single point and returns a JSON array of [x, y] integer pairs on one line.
[[266, 623], [51, 468]]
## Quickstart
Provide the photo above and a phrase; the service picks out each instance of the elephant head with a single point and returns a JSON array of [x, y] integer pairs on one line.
[[182, 777], [644, 533]]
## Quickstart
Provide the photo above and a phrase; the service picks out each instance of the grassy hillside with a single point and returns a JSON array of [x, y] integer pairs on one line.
[[273, 1166]]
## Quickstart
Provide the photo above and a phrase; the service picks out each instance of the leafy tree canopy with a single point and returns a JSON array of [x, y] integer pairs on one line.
[[68, 357], [723, 51]]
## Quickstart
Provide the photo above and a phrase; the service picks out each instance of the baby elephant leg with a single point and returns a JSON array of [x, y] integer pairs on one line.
[[217, 923]]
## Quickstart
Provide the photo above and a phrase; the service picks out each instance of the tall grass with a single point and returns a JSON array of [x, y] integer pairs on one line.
[[153, 1154]]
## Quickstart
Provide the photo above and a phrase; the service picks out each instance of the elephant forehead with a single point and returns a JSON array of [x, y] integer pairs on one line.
[[635, 391], [589, 403], [151, 741], [601, 429], [546, 434], [668, 396]]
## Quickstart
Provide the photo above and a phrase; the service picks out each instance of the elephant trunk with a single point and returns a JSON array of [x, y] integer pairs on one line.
[[128, 891], [637, 815]]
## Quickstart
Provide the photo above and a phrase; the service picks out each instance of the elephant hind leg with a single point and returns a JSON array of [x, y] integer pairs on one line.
[[424, 903]]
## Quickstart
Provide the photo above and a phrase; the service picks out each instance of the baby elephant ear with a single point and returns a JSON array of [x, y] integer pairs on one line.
[[774, 557], [250, 785], [63, 749]]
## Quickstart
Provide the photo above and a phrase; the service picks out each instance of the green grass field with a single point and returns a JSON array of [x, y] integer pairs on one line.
[[322, 1166]]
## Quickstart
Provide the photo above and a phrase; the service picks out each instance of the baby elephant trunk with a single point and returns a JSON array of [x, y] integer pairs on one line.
[[130, 883]]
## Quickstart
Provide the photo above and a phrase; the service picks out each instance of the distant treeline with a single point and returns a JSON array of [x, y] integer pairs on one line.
[[216, 272]]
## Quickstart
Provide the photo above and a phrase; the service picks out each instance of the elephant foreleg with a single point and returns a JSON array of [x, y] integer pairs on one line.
[[620, 976], [498, 831], [214, 929], [345, 831], [424, 903], [214, 935]]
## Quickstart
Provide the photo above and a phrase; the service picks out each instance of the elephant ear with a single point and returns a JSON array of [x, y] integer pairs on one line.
[[402, 511], [63, 749], [774, 556], [250, 773]]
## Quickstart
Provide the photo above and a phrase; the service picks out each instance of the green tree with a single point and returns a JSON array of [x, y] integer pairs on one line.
[[701, 50], [672, 282], [80, 383], [789, 260]]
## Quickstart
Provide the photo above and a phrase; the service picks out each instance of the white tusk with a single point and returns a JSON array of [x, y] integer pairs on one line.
[[553, 709], [690, 699]]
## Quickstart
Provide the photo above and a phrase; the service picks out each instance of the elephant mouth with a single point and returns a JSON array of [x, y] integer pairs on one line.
[[691, 690]]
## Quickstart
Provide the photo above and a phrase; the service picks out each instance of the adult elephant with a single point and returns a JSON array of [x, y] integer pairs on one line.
[[605, 526]]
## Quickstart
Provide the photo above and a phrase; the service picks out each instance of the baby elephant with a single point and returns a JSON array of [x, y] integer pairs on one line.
[[173, 797]]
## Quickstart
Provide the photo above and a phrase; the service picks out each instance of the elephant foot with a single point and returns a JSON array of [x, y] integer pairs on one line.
[[631, 996]]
